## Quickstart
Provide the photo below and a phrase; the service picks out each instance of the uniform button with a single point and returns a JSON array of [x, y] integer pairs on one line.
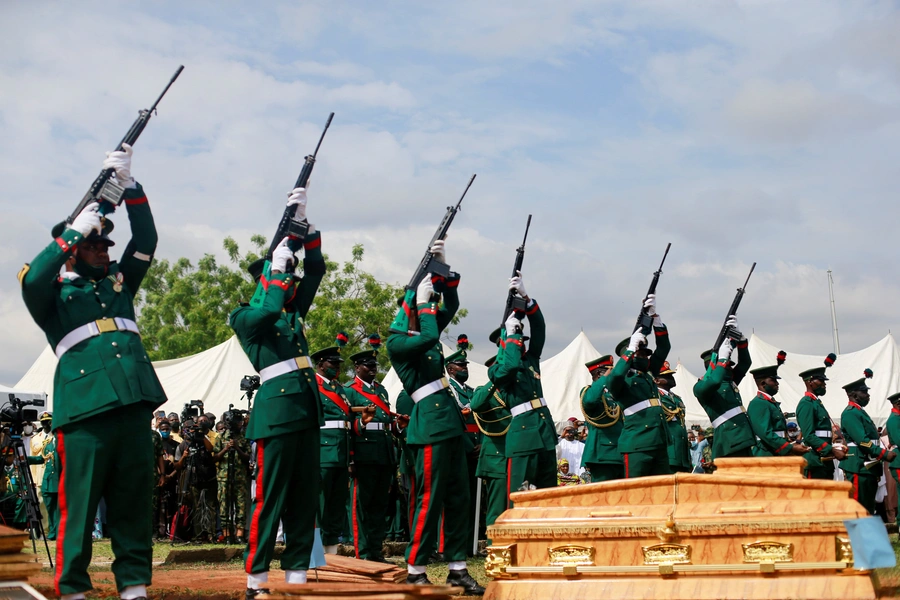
[[82, 371], [102, 305], [115, 344], [282, 389], [96, 293], [523, 427], [277, 334], [118, 356], [437, 404]]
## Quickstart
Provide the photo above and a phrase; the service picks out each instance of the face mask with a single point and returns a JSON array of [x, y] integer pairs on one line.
[[204, 427], [770, 389], [819, 391], [86, 270], [641, 363], [28, 429], [47, 425], [164, 434], [331, 372], [862, 400], [693, 445], [462, 376]]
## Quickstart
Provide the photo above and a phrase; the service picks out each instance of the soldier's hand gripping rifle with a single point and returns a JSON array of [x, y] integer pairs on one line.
[[290, 226], [105, 190], [727, 331], [645, 320], [515, 303]]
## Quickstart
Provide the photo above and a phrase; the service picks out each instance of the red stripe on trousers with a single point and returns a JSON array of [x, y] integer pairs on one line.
[[355, 526], [508, 479], [63, 510], [412, 499], [626, 465], [423, 510], [856, 487], [441, 541], [253, 545]]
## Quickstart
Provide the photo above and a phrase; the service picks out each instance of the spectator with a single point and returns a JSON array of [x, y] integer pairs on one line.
[[197, 484], [175, 427], [563, 477], [570, 449], [793, 431], [697, 447], [167, 492]]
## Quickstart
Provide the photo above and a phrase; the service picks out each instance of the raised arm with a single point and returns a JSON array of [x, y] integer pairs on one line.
[[663, 347], [313, 273], [403, 346], [503, 372], [538, 330], [140, 248], [744, 361], [251, 321], [450, 305]]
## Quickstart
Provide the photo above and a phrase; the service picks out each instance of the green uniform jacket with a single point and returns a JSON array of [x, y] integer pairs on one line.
[[50, 482], [418, 361], [769, 426], [602, 444], [679, 447], [893, 431], [109, 370], [335, 444], [372, 446], [272, 333], [405, 406], [812, 417], [491, 409], [519, 380], [645, 429], [862, 439], [718, 393], [464, 394]]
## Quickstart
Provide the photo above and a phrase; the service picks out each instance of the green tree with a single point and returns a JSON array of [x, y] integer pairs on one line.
[[184, 309]]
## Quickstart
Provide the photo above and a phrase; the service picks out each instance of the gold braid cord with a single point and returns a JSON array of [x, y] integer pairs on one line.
[[479, 421], [614, 414], [670, 413]]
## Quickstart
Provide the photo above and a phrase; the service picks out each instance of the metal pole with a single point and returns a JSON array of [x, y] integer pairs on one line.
[[834, 327], [477, 514]]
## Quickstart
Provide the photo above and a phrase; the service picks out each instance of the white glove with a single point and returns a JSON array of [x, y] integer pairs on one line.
[[120, 161], [439, 251], [516, 283], [725, 350], [637, 338], [650, 305], [425, 290], [512, 325], [88, 220], [731, 321], [297, 198], [282, 256]]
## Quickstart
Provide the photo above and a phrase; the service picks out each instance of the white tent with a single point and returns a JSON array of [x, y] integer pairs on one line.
[[563, 376], [477, 377], [684, 386], [213, 376]]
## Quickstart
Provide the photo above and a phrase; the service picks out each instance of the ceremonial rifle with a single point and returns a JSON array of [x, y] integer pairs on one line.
[[105, 190], [645, 321], [727, 330], [290, 226], [514, 303]]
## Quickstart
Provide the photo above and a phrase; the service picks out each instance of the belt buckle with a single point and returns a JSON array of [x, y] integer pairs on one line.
[[346, 424], [302, 362], [536, 404], [444, 382], [654, 401], [106, 325]]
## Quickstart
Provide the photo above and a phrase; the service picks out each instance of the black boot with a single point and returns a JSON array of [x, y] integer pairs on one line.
[[251, 593], [421, 579], [462, 579]]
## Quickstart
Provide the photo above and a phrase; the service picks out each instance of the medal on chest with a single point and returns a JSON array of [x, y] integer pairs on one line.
[[117, 280]]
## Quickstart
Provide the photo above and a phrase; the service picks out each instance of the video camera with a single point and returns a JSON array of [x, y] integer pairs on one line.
[[234, 417], [192, 410], [16, 415], [250, 383]]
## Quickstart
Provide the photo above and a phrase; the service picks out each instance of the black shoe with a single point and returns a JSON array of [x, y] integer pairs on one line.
[[251, 593], [436, 557], [462, 579], [421, 579]]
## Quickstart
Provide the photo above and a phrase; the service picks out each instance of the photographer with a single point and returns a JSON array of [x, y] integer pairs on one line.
[[232, 453], [197, 484], [167, 498]]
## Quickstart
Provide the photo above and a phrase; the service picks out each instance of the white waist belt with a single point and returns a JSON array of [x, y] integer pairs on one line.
[[642, 405], [429, 389], [728, 414], [851, 444], [375, 427], [778, 433], [336, 425], [285, 366], [525, 407], [823, 433], [93, 329]]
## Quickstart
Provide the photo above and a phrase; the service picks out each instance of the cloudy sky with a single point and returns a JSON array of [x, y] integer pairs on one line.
[[739, 131]]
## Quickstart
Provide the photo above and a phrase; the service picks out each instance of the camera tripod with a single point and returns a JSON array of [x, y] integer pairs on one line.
[[29, 494]]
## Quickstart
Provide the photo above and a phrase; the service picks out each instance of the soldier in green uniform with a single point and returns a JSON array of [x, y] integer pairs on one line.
[[531, 440], [436, 431], [373, 455], [407, 466], [815, 425], [893, 431], [50, 486], [287, 412], [604, 421], [719, 396], [458, 374], [766, 417], [231, 451], [493, 419], [862, 465], [644, 440], [674, 410], [104, 386]]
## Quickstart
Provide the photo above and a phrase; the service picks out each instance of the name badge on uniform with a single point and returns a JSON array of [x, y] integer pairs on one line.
[[117, 280]]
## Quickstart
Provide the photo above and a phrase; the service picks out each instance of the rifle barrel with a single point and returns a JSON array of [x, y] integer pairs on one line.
[[465, 191], [753, 266], [322, 137], [171, 81], [527, 227]]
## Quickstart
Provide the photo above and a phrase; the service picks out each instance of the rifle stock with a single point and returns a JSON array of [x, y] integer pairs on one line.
[[725, 330], [105, 190], [645, 321], [514, 303]]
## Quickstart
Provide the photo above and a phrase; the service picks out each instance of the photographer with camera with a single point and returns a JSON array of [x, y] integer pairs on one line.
[[197, 484], [232, 453]]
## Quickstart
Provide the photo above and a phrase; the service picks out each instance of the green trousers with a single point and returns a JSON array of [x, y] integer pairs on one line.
[[109, 455], [537, 468], [334, 493], [641, 464], [370, 491], [864, 489], [287, 490], [497, 499], [441, 486], [606, 471], [51, 501]]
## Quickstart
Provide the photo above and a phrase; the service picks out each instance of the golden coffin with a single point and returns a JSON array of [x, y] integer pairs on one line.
[[754, 529]]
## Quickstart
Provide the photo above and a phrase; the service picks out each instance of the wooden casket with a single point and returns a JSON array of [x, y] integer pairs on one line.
[[754, 529]]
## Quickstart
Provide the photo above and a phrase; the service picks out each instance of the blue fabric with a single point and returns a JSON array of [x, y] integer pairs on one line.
[[871, 546], [317, 556]]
